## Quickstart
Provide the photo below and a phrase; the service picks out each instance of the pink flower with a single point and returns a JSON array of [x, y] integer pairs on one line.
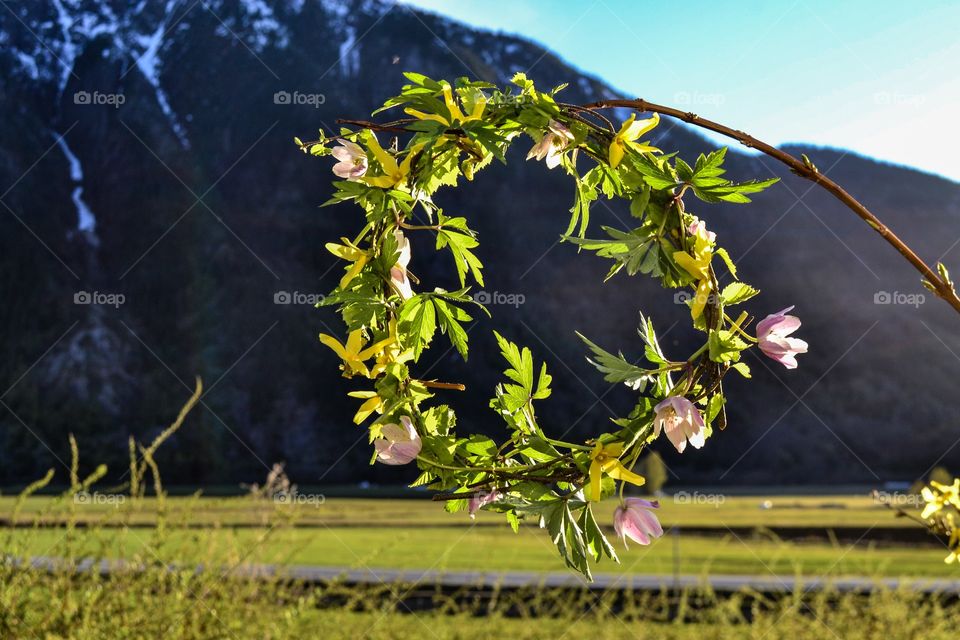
[[698, 228], [481, 500], [353, 160], [552, 144], [398, 444], [772, 333], [633, 520], [681, 421], [398, 274]]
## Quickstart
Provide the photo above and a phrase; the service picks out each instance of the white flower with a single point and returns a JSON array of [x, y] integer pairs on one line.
[[681, 421], [552, 144], [398, 274], [353, 160], [398, 443]]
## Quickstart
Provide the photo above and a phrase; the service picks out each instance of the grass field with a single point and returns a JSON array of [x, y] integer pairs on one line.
[[418, 534], [692, 511], [166, 597]]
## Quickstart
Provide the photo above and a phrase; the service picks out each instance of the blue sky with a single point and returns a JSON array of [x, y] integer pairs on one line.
[[880, 78]]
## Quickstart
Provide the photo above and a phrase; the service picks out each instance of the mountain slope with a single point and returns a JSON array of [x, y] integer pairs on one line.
[[187, 198]]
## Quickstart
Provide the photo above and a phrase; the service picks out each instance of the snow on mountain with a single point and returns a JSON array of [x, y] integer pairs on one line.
[[86, 221], [149, 63]]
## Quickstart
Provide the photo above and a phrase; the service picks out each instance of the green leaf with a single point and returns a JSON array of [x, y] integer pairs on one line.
[[742, 369], [454, 506], [707, 184], [451, 317], [418, 321], [460, 245], [634, 250], [616, 368], [725, 346], [737, 292], [720, 251], [515, 400], [597, 543], [584, 196], [714, 405], [513, 520], [479, 445], [639, 202], [543, 383]]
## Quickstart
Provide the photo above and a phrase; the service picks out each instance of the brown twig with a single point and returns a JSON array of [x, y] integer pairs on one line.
[[452, 386], [396, 125], [942, 287]]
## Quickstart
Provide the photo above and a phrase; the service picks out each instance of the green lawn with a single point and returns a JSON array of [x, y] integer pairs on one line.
[[418, 534], [733, 511]]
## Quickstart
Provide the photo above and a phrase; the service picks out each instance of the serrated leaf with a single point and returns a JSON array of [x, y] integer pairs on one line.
[[450, 318], [514, 520], [461, 245], [720, 251], [616, 368], [725, 346], [737, 292], [420, 319]]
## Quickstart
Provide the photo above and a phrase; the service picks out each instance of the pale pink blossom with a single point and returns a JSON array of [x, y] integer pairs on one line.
[[699, 228], [552, 145], [398, 274], [633, 519], [398, 443], [681, 421], [773, 332], [353, 160], [482, 499]]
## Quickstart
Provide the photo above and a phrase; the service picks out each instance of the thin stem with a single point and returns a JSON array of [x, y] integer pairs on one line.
[[567, 445], [698, 352], [418, 227], [434, 384], [735, 325], [804, 169]]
